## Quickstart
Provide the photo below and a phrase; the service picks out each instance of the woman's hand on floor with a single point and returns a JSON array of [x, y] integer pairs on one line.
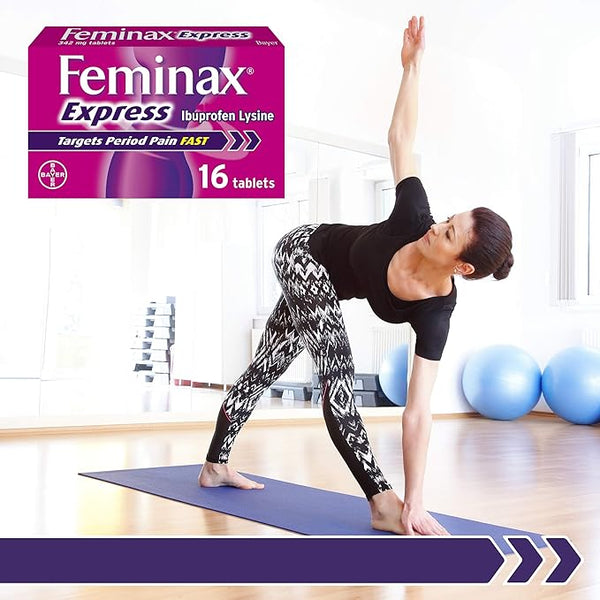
[[416, 520]]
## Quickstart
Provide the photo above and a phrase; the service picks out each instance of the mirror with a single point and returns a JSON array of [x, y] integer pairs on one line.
[[81, 275]]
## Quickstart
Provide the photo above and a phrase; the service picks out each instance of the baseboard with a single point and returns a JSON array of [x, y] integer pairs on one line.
[[264, 417], [544, 413]]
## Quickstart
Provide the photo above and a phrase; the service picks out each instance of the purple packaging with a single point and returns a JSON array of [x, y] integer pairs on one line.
[[150, 112]]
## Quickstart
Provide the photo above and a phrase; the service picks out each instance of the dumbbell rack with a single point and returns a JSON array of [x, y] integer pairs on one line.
[[155, 334]]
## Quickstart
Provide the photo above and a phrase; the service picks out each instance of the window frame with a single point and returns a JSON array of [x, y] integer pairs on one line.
[[572, 260]]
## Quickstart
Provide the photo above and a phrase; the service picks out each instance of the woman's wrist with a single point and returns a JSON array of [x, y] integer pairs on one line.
[[412, 66], [413, 502]]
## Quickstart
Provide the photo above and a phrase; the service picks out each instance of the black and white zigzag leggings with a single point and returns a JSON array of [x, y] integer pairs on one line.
[[307, 315]]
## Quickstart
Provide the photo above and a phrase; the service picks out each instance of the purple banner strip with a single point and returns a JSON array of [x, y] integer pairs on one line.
[[127, 140], [249, 560]]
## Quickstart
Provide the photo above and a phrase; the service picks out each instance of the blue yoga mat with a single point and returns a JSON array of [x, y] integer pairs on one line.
[[290, 506]]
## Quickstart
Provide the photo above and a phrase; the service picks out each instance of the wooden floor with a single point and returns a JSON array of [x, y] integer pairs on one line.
[[538, 474]]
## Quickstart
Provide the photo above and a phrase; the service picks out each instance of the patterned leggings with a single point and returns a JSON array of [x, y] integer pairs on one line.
[[307, 314]]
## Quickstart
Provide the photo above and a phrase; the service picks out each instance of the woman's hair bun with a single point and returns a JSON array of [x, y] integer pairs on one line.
[[504, 269]]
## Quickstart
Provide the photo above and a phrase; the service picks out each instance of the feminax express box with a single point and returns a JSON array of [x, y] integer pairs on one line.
[[148, 112]]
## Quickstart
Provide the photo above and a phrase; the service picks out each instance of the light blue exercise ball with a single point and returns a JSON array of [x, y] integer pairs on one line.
[[502, 382], [393, 373], [571, 385]]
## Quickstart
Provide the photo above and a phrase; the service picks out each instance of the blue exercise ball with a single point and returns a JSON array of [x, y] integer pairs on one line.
[[571, 385], [502, 382], [393, 373]]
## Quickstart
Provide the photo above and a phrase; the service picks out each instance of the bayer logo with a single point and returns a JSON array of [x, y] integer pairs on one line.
[[52, 174]]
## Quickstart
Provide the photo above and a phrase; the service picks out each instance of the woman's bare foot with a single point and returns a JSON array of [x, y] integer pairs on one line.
[[386, 510], [215, 475]]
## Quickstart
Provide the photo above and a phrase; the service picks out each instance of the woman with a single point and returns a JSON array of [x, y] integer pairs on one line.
[[405, 267]]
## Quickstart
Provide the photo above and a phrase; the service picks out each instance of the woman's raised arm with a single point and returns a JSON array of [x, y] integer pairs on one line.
[[402, 131]]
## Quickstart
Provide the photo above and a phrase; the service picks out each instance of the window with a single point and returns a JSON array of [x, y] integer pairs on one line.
[[89, 298], [66, 273], [593, 227], [577, 247]]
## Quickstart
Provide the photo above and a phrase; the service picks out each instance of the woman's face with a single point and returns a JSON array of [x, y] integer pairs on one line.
[[445, 241]]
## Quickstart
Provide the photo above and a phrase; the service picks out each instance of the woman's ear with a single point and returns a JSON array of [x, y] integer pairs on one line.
[[464, 269]]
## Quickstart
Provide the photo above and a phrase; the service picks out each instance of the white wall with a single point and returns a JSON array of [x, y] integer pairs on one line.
[[498, 78]]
